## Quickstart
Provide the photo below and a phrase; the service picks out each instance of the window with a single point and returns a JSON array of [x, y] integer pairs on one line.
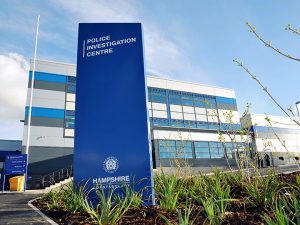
[[202, 149], [167, 149], [190, 124], [71, 84], [175, 99], [229, 149], [200, 101], [194, 149], [211, 102], [158, 97], [202, 125], [70, 107], [177, 123], [69, 119], [187, 99], [71, 80], [213, 126], [216, 150], [184, 149], [160, 122], [71, 88]]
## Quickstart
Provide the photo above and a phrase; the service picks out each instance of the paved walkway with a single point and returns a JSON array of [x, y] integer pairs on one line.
[[14, 209]]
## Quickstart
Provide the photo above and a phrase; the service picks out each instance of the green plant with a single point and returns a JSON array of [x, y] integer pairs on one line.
[[298, 180], [108, 210], [263, 190], [287, 211], [74, 200], [168, 190], [183, 219], [52, 199], [133, 198], [211, 211]]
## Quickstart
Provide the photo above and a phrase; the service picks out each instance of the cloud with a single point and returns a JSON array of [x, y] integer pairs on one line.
[[163, 56], [13, 88]]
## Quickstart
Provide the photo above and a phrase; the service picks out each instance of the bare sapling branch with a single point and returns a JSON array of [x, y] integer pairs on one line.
[[293, 30], [266, 90], [269, 44]]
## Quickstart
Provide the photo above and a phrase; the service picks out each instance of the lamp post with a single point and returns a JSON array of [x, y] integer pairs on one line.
[[297, 103]]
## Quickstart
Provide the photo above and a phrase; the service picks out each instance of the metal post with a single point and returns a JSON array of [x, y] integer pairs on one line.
[[31, 89], [297, 103]]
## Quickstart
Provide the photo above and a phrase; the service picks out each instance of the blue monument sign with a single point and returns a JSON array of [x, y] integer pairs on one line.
[[112, 142]]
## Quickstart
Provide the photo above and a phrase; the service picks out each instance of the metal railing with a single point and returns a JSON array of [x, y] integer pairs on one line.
[[43, 181]]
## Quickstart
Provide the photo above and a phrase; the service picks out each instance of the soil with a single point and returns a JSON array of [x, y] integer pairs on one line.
[[239, 212]]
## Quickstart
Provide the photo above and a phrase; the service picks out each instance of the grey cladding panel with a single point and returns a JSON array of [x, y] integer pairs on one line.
[[39, 153], [45, 85], [227, 106], [48, 166], [45, 122]]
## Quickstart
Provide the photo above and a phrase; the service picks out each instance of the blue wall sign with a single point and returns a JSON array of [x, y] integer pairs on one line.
[[14, 165], [112, 138]]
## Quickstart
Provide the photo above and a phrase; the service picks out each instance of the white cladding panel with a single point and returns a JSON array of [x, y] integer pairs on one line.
[[228, 116], [165, 83], [188, 109], [69, 132], [276, 121], [71, 97], [189, 136], [213, 119], [176, 115], [150, 113], [54, 67], [47, 99], [188, 116], [200, 110], [201, 118], [176, 108], [47, 136], [160, 114], [275, 145], [159, 106], [70, 105]]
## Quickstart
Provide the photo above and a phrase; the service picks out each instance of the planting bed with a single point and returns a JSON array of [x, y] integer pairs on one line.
[[218, 199]]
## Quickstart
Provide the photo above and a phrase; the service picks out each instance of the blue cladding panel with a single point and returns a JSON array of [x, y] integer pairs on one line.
[[107, 144], [278, 130], [45, 112], [226, 100], [48, 77]]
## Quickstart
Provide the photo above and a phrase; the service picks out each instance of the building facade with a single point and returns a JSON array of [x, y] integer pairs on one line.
[[276, 139], [186, 120]]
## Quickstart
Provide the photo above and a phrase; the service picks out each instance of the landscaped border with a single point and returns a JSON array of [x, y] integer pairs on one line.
[[46, 218]]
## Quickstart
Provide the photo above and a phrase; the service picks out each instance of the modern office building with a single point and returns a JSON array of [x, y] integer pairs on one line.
[[185, 120], [276, 139]]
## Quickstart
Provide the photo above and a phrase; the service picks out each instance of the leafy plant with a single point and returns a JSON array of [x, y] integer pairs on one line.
[[263, 190], [183, 219], [108, 210], [168, 190], [287, 211], [211, 210]]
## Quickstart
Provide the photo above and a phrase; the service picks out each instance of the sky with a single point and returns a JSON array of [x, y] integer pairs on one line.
[[188, 40]]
